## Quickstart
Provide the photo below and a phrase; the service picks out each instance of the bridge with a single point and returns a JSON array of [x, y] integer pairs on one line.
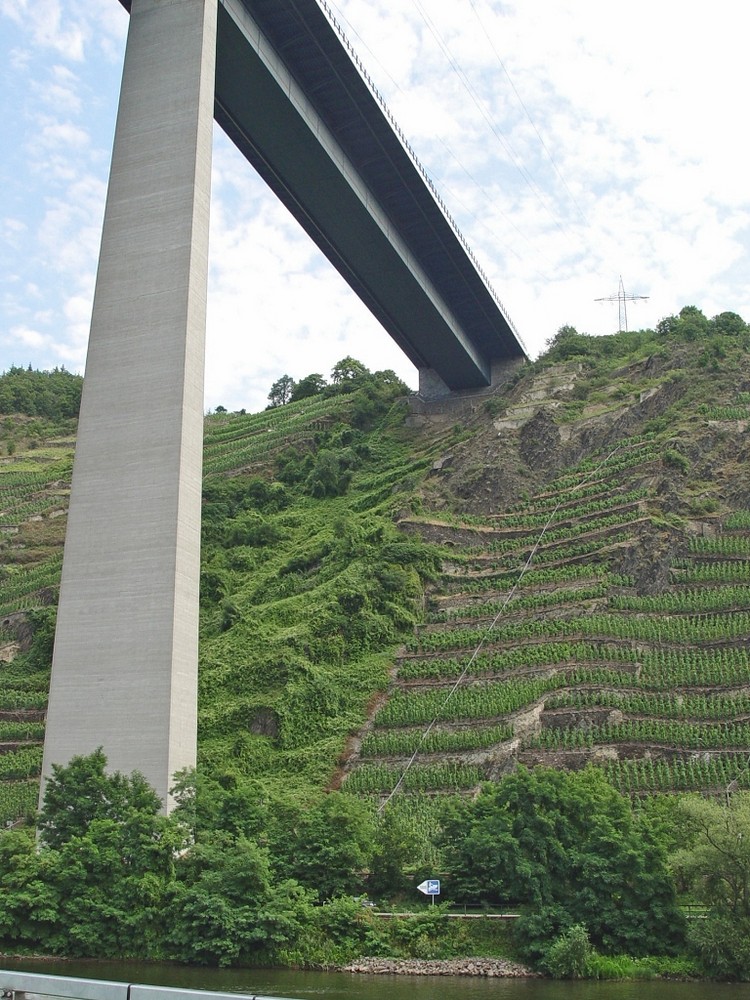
[[290, 95], [282, 83]]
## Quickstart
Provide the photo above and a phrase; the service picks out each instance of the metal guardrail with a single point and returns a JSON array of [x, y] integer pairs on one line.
[[354, 56], [450, 916], [14, 985]]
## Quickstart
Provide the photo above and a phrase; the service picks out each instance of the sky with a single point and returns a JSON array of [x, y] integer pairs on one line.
[[574, 142]]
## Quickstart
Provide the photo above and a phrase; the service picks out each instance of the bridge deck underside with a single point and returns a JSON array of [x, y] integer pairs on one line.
[[291, 99]]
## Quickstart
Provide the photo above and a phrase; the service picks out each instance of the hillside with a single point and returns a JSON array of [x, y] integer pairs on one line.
[[553, 572]]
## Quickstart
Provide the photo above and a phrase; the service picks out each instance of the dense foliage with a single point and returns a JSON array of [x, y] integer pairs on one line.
[[325, 517], [52, 394], [231, 877], [238, 876], [347, 376], [571, 849], [688, 325], [307, 585], [714, 863]]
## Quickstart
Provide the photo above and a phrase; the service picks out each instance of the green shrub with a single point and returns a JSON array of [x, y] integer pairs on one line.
[[569, 955], [722, 945], [676, 460]]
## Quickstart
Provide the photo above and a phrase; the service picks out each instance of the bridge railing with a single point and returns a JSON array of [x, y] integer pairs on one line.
[[354, 56], [16, 985]]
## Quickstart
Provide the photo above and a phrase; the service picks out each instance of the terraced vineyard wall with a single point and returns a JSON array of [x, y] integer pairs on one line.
[[305, 580], [391, 602], [34, 489], [604, 620]]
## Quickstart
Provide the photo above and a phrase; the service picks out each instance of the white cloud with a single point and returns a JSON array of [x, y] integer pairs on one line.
[[55, 134], [61, 91], [47, 26], [626, 157], [29, 338]]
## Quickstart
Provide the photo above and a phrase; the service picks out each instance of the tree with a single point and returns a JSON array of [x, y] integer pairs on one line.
[[54, 394], [310, 385], [29, 913], [97, 886], [348, 370], [667, 326], [692, 324], [728, 324], [331, 846], [228, 908], [81, 791], [112, 885], [331, 472], [569, 955], [569, 343], [570, 846], [715, 867], [395, 846], [281, 392]]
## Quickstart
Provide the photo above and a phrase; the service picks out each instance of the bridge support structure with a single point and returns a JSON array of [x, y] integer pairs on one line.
[[284, 86], [124, 672]]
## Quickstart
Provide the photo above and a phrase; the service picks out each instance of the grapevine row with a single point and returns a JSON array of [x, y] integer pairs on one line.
[[420, 777], [569, 532], [722, 545], [642, 776], [392, 744], [14, 700], [24, 763], [17, 799], [525, 602], [693, 706], [688, 629], [541, 654], [697, 736], [544, 554], [711, 572], [21, 731], [580, 509], [685, 601], [739, 519]]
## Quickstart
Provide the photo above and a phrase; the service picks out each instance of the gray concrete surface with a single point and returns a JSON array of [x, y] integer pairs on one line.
[[124, 673]]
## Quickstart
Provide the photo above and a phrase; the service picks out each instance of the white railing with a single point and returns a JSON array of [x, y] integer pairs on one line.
[[360, 66], [14, 985]]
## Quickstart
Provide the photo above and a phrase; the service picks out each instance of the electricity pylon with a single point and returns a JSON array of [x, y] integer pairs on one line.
[[622, 300]]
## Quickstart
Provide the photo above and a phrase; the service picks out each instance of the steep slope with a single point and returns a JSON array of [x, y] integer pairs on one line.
[[603, 619], [420, 597], [34, 490]]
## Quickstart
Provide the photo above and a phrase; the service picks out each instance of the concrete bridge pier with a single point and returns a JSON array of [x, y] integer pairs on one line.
[[432, 388], [125, 663]]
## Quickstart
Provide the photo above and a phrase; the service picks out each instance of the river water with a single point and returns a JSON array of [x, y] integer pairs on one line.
[[343, 986]]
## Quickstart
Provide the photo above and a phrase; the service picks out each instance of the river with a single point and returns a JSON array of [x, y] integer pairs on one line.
[[344, 986]]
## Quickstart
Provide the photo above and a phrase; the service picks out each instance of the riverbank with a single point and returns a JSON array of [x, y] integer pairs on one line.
[[487, 967]]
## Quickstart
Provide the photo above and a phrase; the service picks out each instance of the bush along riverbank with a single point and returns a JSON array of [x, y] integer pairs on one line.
[[234, 878]]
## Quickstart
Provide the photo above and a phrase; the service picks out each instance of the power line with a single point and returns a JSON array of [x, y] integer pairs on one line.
[[481, 107], [488, 631], [527, 113]]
